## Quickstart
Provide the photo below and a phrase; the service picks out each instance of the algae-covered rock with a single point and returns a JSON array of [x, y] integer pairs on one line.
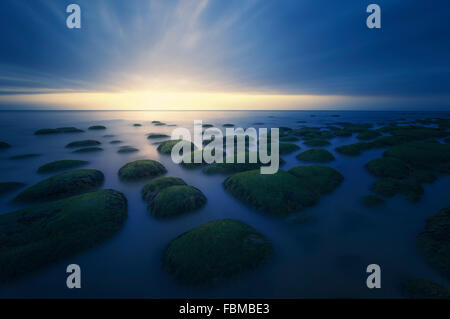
[[152, 188], [353, 149], [4, 145], [127, 149], [321, 179], [62, 185], [423, 176], [389, 187], [83, 143], [420, 288], [158, 123], [60, 165], [24, 156], [371, 201], [368, 135], [156, 135], [115, 142], [43, 234], [88, 150], [316, 155], [141, 169], [137, 124], [215, 251], [9, 187], [166, 146], [228, 125], [173, 201], [279, 194], [286, 148], [388, 167], [434, 241], [46, 131], [97, 127], [289, 138], [316, 142]]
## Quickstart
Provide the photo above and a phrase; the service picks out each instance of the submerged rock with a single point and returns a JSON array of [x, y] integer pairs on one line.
[[24, 156], [317, 155], [83, 143], [434, 241], [371, 201], [60, 165], [420, 288], [97, 127], [88, 150], [127, 149], [9, 187], [58, 130], [4, 145], [43, 234], [141, 169], [62, 185], [217, 250]]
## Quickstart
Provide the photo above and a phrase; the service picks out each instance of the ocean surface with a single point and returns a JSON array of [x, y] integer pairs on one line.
[[323, 258]]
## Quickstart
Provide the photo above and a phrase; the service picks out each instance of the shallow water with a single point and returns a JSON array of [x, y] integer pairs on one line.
[[324, 258]]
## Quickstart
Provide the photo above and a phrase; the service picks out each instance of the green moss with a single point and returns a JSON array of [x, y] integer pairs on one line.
[[127, 149], [60, 165], [388, 167], [415, 132], [88, 150], [141, 169], [84, 143], [43, 234], [279, 194], [152, 188], [434, 241], [173, 201], [420, 288], [97, 127], [156, 135], [158, 123], [371, 201], [166, 146], [317, 155], [289, 138], [62, 185], [316, 142], [389, 187], [192, 164], [353, 149], [234, 166], [423, 176], [321, 179], [368, 135], [23, 156], [216, 251], [286, 148], [354, 127], [9, 187], [46, 131], [4, 145]]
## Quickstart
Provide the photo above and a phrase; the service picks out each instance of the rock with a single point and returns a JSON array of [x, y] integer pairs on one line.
[[217, 250], [152, 188], [83, 143], [368, 135], [156, 135], [316, 142], [321, 179], [289, 138], [420, 288], [58, 130], [286, 148], [43, 234], [97, 127], [115, 142], [371, 201], [388, 167], [127, 149], [317, 155], [228, 125], [137, 125], [166, 146], [88, 150], [9, 187], [60, 165], [141, 169], [62, 185], [4, 145], [389, 187]]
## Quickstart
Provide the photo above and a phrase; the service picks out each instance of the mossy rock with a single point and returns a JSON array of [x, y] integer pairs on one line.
[[9, 187], [389, 187], [321, 179], [60, 165], [355, 127], [24, 156], [316, 142], [166, 146], [83, 143], [127, 149], [289, 138], [4, 145], [176, 200], [278, 194], [371, 201], [192, 163], [215, 251], [286, 148], [427, 156], [46, 131], [156, 135], [423, 176], [158, 123], [116, 142], [388, 167], [43, 234], [141, 169], [97, 127], [228, 125], [415, 132], [152, 188], [88, 150], [206, 125], [137, 125], [353, 149], [316, 155], [368, 135], [420, 288], [62, 185], [109, 135], [434, 241]]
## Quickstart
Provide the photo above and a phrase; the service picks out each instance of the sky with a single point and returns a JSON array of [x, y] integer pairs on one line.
[[234, 54]]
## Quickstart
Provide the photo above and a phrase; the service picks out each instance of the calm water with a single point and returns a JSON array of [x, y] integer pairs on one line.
[[326, 257]]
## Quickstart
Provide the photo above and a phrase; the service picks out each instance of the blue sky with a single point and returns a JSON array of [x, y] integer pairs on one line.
[[318, 49]]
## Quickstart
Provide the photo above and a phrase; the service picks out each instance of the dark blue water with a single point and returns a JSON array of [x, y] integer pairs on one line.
[[326, 257]]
